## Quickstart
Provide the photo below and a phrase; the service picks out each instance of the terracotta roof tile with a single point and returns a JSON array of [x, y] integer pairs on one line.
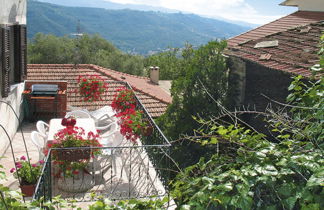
[[151, 96], [296, 51], [290, 21]]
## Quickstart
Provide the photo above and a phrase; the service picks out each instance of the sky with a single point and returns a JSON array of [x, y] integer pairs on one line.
[[251, 11]]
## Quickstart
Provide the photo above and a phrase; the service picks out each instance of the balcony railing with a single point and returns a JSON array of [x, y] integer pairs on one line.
[[123, 172]]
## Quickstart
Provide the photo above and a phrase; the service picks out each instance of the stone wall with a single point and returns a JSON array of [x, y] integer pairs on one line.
[[261, 82], [236, 81], [249, 83]]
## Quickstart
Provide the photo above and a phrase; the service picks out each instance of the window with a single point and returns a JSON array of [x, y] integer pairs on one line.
[[13, 64]]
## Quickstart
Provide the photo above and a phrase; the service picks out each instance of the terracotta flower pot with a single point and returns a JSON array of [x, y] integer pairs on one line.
[[73, 155], [28, 190], [147, 131]]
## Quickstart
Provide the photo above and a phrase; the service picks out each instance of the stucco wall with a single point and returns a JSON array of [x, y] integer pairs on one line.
[[13, 11], [7, 116], [306, 5]]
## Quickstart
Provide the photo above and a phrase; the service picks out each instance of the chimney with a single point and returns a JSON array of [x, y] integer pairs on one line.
[[154, 74]]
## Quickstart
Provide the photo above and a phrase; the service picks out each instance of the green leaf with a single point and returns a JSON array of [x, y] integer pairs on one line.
[[221, 130], [290, 202], [213, 140], [286, 189]]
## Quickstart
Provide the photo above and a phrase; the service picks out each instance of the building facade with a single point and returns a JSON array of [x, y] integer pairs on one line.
[[13, 66], [263, 61]]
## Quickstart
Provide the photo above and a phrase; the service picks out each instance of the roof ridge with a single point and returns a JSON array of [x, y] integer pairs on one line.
[[103, 69], [275, 33], [117, 72], [254, 29], [299, 47], [241, 38]]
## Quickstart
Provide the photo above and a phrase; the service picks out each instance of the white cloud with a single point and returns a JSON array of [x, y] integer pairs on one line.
[[237, 10]]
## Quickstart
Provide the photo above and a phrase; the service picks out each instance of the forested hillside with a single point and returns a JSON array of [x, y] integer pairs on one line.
[[86, 49], [129, 30]]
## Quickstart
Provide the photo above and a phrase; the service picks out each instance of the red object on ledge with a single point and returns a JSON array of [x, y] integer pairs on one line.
[[28, 190]]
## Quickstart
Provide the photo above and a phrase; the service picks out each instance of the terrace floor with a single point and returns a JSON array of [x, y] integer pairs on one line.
[[19, 150], [134, 176]]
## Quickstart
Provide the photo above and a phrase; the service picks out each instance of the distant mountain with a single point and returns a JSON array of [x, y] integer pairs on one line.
[[130, 30], [108, 5], [116, 6]]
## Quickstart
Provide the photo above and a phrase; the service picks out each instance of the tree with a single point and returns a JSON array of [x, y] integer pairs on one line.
[[82, 50], [50, 49], [200, 69], [247, 171], [169, 63]]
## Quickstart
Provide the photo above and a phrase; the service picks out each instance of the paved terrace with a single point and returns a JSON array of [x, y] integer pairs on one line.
[[135, 175]]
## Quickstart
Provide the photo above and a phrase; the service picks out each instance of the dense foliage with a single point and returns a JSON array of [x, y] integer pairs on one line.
[[197, 70], [85, 49], [131, 31], [247, 171], [170, 63]]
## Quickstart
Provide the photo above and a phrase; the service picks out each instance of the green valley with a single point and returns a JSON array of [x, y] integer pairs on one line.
[[140, 32]]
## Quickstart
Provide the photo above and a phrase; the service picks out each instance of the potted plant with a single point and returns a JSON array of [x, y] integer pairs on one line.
[[72, 150], [92, 87], [133, 125], [70, 137], [124, 99], [28, 174]]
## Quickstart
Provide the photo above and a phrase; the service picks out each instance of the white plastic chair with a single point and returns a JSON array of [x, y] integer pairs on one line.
[[111, 138], [110, 128], [39, 142], [42, 128], [103, 116], [78, 114]]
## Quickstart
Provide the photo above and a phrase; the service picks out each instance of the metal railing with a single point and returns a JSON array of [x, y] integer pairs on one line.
[[123, 172]]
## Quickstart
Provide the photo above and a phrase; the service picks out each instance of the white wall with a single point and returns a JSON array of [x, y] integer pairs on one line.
[[13, 11], [306, 5], [7, 117]]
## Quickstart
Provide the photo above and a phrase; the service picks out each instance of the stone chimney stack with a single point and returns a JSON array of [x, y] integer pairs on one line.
[[154, 74]]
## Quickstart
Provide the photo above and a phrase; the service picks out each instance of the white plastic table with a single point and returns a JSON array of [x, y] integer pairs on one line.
[[87, 124]]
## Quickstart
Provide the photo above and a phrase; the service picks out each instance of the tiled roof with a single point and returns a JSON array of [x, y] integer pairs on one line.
[[290, 21], [152, 96], [293, 51]]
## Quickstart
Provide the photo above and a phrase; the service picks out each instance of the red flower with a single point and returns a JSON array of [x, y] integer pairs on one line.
[[124, 99], [75, 172], [64, 122], [91, 87]]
